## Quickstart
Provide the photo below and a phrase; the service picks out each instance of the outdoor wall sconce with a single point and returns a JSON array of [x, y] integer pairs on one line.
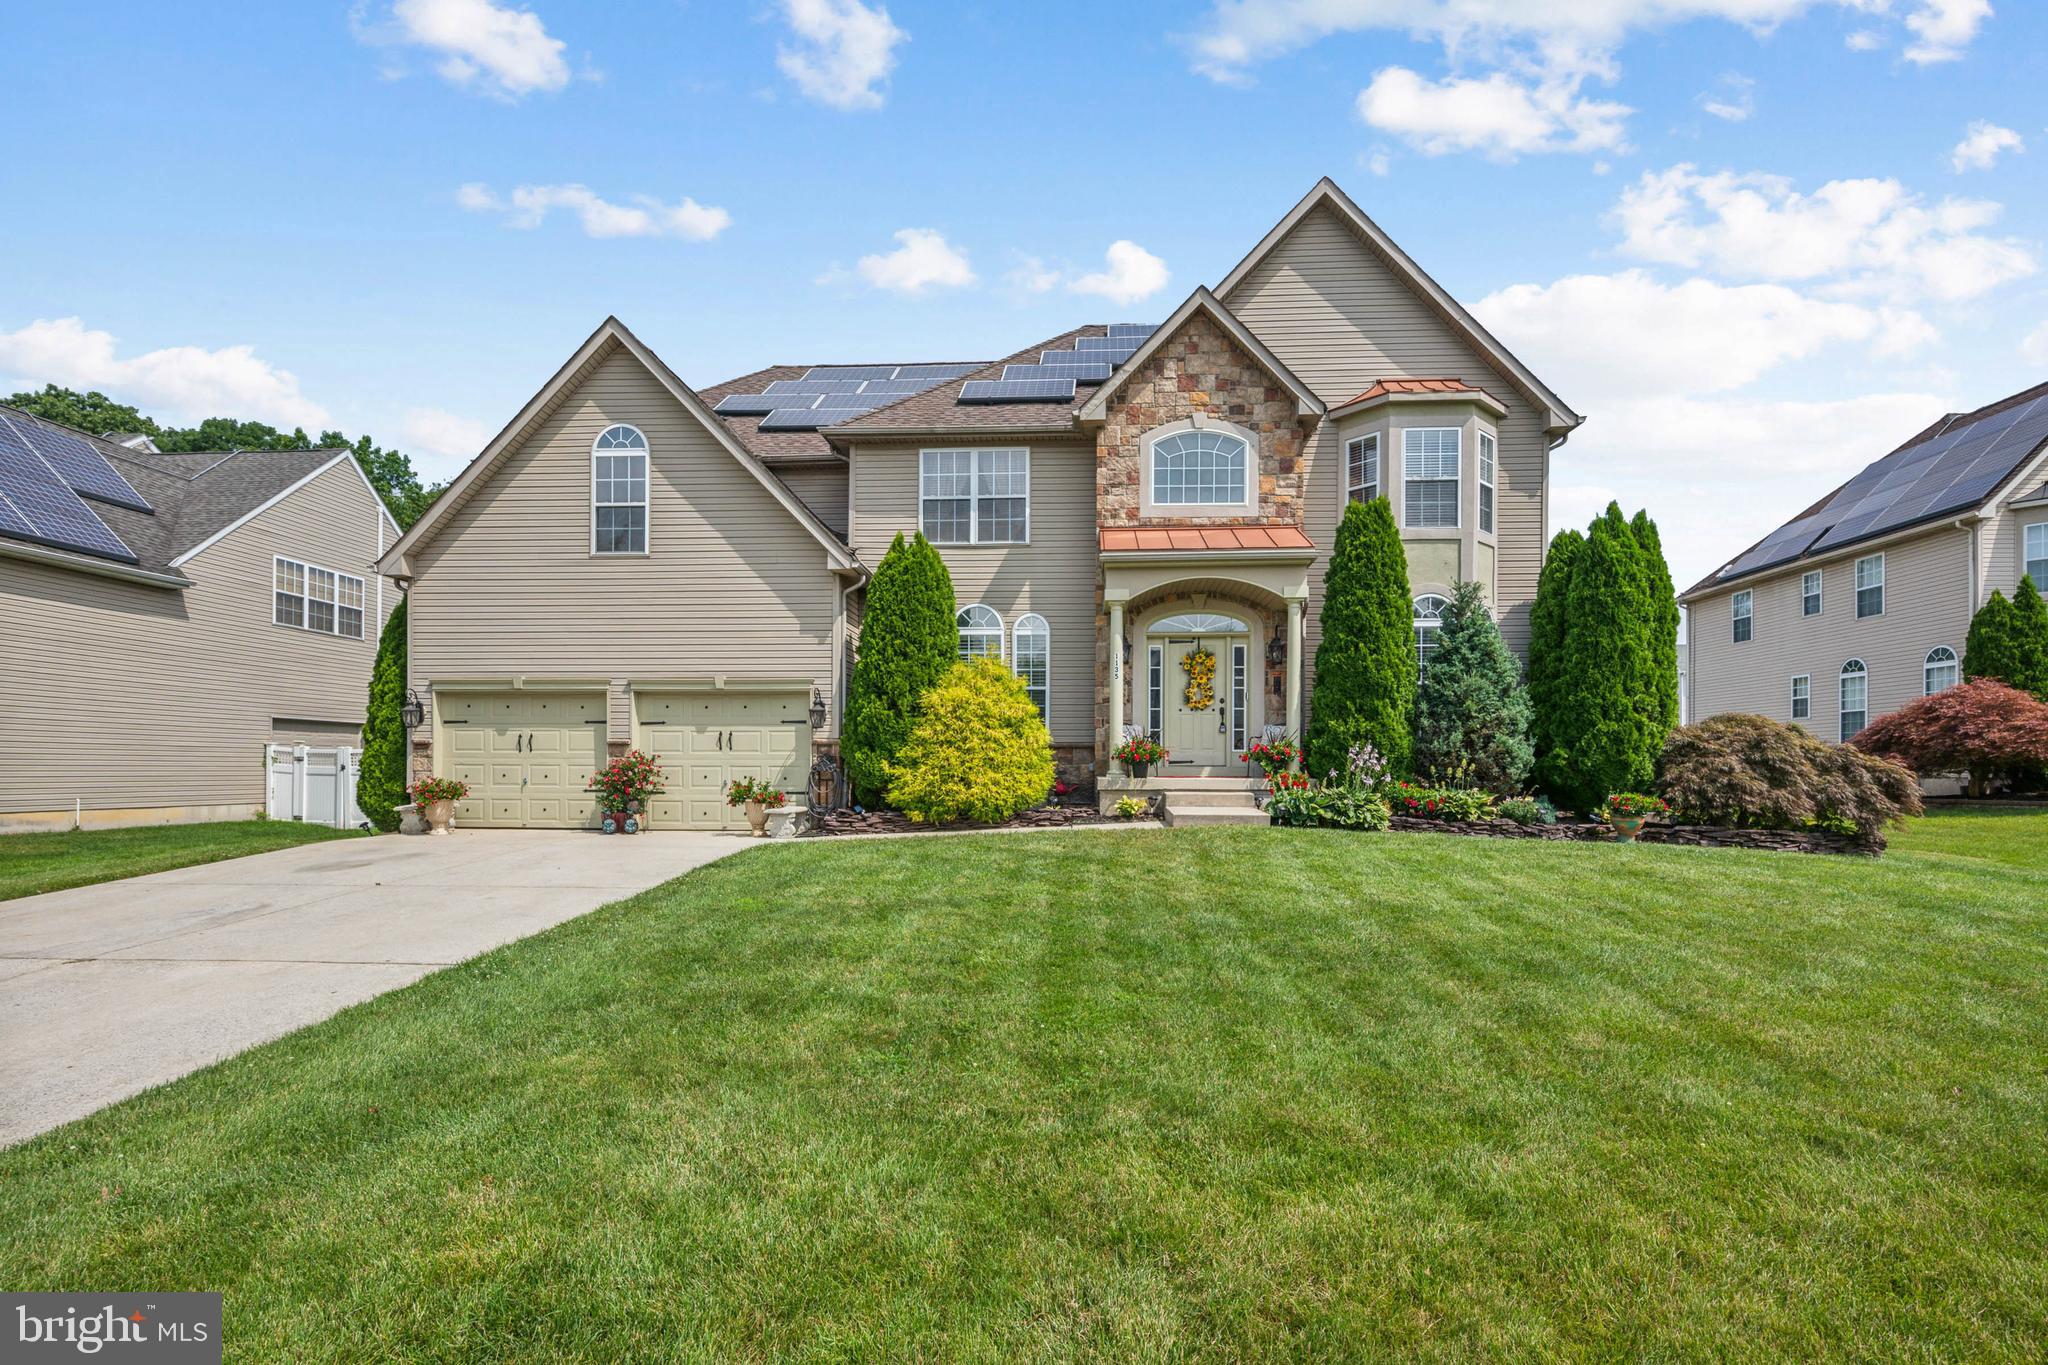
[[817, 708], [412, 712], [1276, 650]]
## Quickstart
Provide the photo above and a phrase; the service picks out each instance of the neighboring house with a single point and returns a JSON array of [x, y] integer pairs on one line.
[[633, 562], [167, 615], [1862, 602]]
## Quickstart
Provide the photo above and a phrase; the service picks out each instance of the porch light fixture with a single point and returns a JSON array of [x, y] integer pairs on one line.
[[411, 713], [817, 708], [1276, 650]]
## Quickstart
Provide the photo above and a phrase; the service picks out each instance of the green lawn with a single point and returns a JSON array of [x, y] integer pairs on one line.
[[1163, 1095], [34, 863]]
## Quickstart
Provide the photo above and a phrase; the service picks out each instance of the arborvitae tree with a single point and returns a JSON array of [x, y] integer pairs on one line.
[[1663, 678], [1992, 649], [1365, 664], [1546, 646], [907, 642], [1602, 739], [1472, 714], [381, 772], [2030, 639]]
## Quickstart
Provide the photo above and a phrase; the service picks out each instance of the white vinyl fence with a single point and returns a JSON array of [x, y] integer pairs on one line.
[[317, 786]]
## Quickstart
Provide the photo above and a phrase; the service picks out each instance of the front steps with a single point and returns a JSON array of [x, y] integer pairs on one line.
[[1210, 807]]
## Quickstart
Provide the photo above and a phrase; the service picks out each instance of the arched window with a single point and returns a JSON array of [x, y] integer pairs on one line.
[[1429, 610], [618, 492], [1031, 655], [1197, 623], [1941, 670], [1203, 467], [981, 632], [1855, 697]]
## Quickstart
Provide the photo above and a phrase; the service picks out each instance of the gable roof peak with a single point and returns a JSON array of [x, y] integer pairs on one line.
[[1206, 303]]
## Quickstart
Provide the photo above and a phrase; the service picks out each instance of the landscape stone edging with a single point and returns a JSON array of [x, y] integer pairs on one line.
[[1690, 836]]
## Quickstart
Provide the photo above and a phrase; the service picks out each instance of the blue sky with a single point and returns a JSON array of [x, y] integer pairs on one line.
[[1758, 242]]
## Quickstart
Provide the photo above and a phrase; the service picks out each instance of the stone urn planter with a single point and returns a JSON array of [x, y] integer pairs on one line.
[[785, 824], [436, 798], [757, 818], [1625, 827], [440, 815], [1626, 812]]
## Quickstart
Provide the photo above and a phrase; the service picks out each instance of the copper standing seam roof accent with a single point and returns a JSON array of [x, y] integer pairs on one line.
[[1381, 388], [1202, 539]]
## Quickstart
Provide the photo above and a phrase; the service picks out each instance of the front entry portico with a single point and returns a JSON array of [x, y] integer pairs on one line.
[[1203, 736]]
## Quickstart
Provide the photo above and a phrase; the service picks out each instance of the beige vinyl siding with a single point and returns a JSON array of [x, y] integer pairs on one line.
[[1055, 575], [129, 697], [733, 583], [821, 487], [1927, 603], [1339, 317], [2004, 546]]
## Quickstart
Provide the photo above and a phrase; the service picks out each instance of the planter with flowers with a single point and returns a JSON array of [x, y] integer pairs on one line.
[[623, 786], [436, 798], [758, 798], [1273, 756], [1626, 811], [1138, 754]]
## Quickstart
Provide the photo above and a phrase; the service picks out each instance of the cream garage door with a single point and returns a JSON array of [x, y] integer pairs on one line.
[[527, 756], [704, 740]]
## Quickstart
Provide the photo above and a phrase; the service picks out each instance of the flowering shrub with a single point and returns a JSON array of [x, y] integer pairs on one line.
[[1273, 756], [741, 790], [1365, 769], [428, 790], [629, 778], [1131, 807], [1527, 810], [1634, 806], [1139, 749], [979, 751], [1287, 782], [1441, 803]]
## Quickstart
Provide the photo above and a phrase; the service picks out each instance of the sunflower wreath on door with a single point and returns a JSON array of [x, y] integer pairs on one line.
[[1201, 669]]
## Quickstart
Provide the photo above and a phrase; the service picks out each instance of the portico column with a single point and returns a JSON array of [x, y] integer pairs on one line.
[[1294, 606], [1116, 681]]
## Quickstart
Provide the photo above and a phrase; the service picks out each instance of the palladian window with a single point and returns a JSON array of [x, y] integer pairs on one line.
[[1204, 467]]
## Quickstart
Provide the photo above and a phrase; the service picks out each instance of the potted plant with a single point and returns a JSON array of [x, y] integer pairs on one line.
[[1138, 754], [623, 786], [758, 797], [436, 796], [1273, 755], [1626, 811]]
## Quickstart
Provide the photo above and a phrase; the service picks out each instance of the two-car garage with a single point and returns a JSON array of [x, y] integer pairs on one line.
[[528, 755]]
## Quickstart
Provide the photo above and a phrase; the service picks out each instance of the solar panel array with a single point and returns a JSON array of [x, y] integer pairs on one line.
[[1017, 391], [828, 394], [41, 506], [83, 468], [1948, 473], [1090, 360]]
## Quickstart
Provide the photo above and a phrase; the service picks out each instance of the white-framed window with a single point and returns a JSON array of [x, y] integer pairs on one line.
[[1486, 448], [1809, 593], [288, 578], [2036, 562], [1429, 476], [975, 497], [981, 632], [1362, 467], [618, 491], [1201, 467], [1869, 586], [1429, 610], [1802, 696], [1855, 698], [348, 616], [1742, 611], [1942, 669], [1031, 655], [307, 597], [320, 599]]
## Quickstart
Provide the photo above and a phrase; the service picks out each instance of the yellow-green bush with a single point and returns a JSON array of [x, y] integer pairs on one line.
[[979, 750]]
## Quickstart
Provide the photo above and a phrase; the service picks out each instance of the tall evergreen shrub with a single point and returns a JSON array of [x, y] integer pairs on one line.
[[1365, 663], [380, 773], [1472, 714], [907, 642], [2030, 639], [1546, 647], [1992, 649], [1603, 739], [1662, 681]]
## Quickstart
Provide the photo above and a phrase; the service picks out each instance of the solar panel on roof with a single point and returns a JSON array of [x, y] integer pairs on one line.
[[1786, 543], [937, 374], [814, 387], [898, 388], [1017, 391], [78, 463], [1125, 344], [12, 523], [850, 372], [1080, 372], [800, 419], [54, 513], [1139, 330], [758, 404]]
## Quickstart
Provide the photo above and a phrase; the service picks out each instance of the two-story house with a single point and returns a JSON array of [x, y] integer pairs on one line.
[[1862, 602], [632, 562]]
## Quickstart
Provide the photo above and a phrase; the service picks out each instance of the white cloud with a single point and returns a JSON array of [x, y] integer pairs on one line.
[[529, 205], [1943, 28], [1033, 276], [1134, 273], [844, 51], [1733, 98], [922, 259], [1496, 114], [431, 431], [1864, 40], [1379, 161], [495, 49], [1853, 236], [178, 383], [1981, 144], [2035, 346]]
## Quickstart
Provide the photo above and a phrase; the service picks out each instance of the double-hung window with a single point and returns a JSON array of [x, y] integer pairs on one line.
[[1809, 593], [975, 497], [320, 600], [2037, 554], [618, 492], [348, 616], [307, 597], [1429, 471], [1870, 586], [1802, 696], [1362, 467], [1855, 697], [1742, 607], [289, 586], [1486, 482]]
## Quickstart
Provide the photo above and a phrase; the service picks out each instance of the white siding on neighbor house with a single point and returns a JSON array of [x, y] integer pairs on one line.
[[128, 697], [1927, 603], [732, 584], [1340, 318], [1055, 575]]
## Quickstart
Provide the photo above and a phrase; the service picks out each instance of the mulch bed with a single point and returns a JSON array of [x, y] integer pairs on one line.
[[1693, 836], [850, 821]]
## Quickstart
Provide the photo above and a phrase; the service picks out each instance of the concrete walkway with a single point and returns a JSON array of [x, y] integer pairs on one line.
[[106, 990]]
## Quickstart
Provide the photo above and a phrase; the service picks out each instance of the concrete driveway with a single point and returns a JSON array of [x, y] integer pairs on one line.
[[106, 990]]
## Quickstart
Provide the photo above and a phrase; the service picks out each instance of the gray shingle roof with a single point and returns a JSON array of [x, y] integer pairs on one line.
[[940, 409], [782, 447]]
